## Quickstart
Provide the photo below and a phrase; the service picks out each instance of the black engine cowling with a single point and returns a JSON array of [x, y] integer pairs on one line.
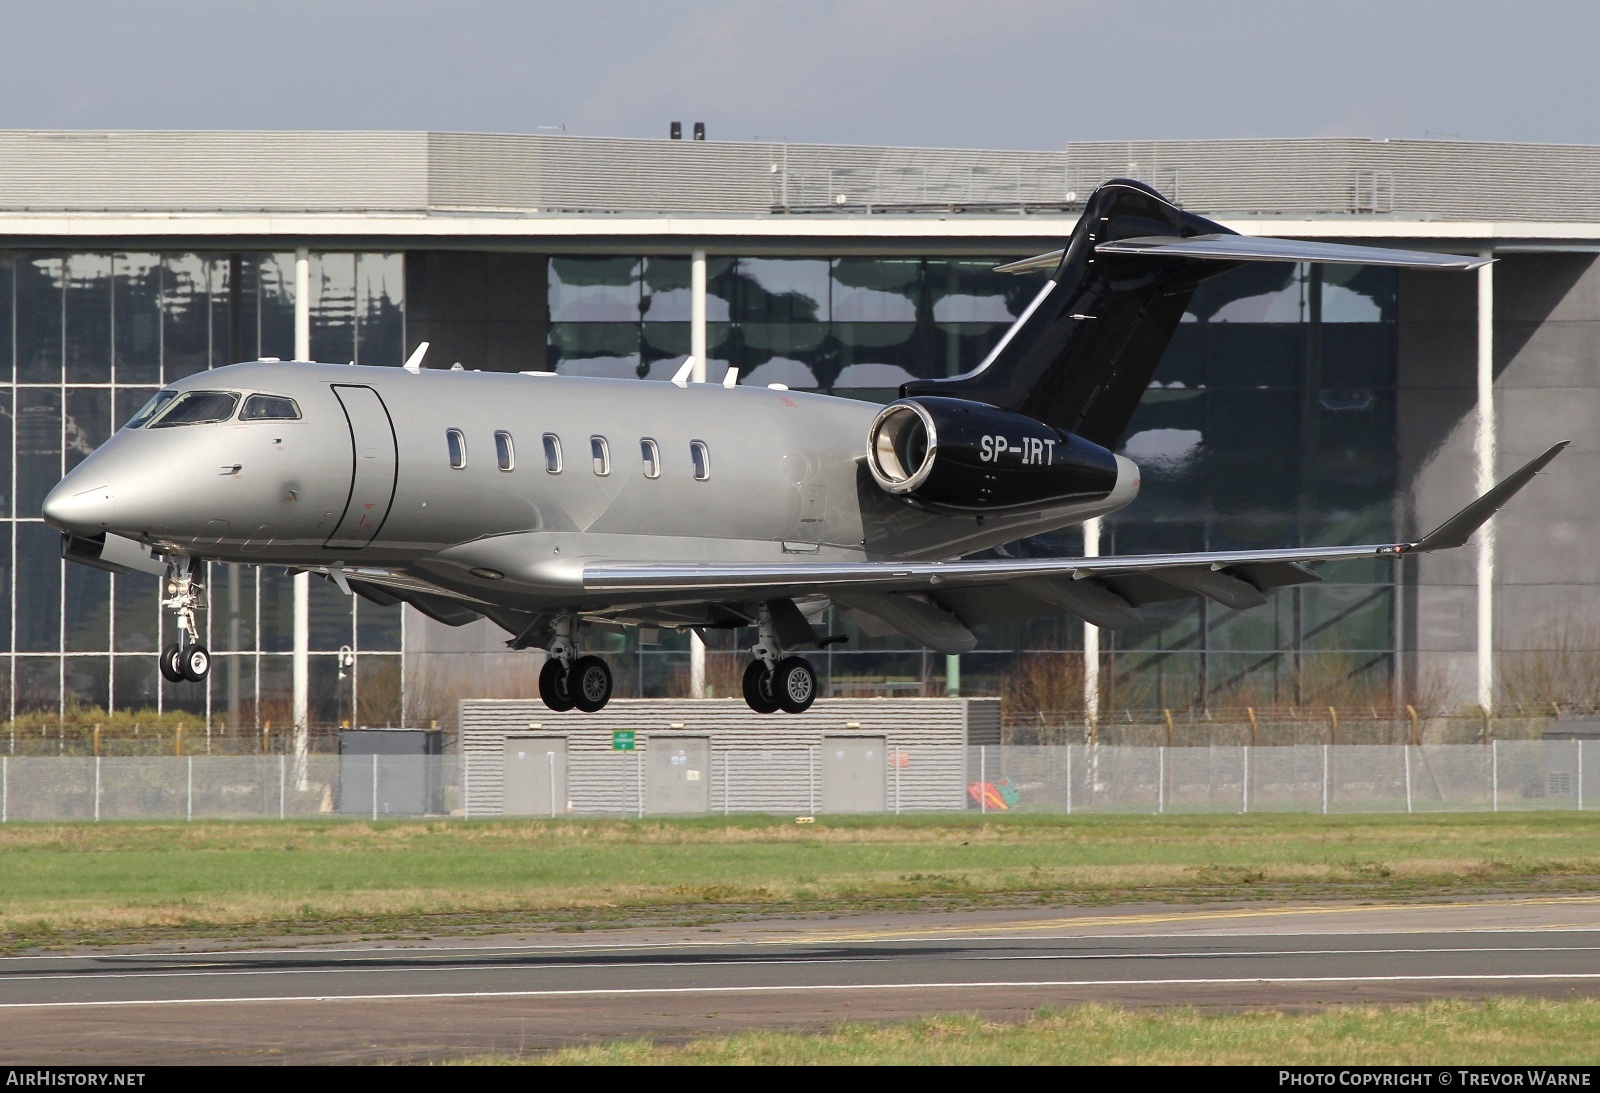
[[955, 455]]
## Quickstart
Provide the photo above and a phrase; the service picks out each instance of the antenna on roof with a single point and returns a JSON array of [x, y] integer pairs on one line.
[[685, 370], [414, 362]]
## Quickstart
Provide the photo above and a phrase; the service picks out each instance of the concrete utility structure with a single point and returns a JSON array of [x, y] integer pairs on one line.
[[689, 757], [132, 259]]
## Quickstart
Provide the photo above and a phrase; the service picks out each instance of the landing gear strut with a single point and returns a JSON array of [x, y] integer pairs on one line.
[[774, 682], [568, 681], [187, 659]]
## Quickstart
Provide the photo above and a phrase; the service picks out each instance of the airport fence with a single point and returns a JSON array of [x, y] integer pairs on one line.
[[1077, 779]]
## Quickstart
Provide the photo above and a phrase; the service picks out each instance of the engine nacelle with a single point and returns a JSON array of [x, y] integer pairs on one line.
[[955, 455]]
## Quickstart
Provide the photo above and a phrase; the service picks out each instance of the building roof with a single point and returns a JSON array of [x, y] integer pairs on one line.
[[460, 184]]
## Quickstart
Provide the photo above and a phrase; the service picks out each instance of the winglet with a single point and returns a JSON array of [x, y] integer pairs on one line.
[[414, 362], [1459, 528]]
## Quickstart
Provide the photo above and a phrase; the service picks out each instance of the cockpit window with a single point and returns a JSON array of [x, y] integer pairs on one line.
[[269, 408], [151, 409], [198, 408]]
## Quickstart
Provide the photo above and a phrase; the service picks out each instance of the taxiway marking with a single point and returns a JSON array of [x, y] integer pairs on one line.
[[1198, 916]]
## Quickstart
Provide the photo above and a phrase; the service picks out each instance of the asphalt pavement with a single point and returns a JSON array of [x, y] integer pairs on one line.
[[400, 1001]]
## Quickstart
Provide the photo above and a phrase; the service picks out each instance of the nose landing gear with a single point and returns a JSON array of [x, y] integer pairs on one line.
[[187, 660], [570, 682]]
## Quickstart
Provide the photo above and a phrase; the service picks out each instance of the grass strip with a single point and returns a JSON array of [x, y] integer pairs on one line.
[[66, 884], [1502, 1031]]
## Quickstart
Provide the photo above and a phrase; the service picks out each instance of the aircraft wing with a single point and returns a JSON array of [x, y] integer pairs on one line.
[[925, 599]]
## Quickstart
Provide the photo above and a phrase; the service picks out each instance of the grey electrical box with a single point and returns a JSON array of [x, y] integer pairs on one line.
[[400, 768], [1576, 729]]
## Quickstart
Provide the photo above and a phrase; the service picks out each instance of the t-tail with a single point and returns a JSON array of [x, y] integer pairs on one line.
[[1083, 353]]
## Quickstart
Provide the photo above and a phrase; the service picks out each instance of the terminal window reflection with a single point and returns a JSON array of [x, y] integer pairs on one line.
[[852, 326], [1269, 423], [86, 339]]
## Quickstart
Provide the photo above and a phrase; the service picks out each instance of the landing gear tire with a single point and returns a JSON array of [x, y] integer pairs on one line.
[[794, 684], [170, 660], [589, 683], [195, 663], [758, 693], [555, 685]]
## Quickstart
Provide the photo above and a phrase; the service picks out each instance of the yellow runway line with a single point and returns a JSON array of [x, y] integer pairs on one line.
[[1155, 918]]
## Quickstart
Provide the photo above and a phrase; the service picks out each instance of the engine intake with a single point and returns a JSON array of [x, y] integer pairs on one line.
[[955, 455]]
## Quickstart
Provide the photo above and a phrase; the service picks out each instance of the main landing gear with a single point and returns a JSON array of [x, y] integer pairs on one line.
[[773, 682], [187, 660], [568, 681]]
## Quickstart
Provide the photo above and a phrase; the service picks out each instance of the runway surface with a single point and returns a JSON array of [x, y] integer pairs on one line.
[[415, 1001]]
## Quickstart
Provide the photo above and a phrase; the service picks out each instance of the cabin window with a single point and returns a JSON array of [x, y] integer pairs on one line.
[[552, 453], [456, 441], [151, 408], [197, 408], [269, 408], [600, 452], [700, 456], [504, 452], [650, 452]]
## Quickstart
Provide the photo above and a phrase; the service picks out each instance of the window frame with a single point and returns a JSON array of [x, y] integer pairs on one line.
[[505, 450], [159, 420], [700, 460], [600, 455], [553, 463], [152, 409], [244, 407], [650, 452], [455, 446]]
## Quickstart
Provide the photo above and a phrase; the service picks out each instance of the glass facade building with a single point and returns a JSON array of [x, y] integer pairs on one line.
[[1270, 423], [85, 340]]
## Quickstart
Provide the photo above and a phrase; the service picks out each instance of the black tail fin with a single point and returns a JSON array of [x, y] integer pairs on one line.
[[1082, 355]]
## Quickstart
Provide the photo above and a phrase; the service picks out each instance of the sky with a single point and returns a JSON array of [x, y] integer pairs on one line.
[[1030, 74]]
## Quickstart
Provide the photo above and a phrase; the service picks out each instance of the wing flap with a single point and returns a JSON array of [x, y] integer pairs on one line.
[[740, 580]]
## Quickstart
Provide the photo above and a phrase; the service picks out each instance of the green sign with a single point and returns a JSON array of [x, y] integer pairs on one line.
[[622, 740]]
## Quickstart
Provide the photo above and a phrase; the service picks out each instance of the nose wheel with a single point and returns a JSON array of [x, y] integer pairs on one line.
[[185, 664], [185, 661]]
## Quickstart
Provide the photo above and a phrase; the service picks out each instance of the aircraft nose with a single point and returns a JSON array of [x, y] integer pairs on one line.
[[72, 507]]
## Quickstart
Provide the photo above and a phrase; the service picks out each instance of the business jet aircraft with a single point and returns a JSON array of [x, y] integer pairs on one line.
[[543, 501]]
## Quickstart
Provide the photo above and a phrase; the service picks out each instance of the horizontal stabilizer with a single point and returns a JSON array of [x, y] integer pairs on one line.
[[1458, 529], [1248, 248]]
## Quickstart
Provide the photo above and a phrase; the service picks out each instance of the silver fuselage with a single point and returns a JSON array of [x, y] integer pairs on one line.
[[786, 479]]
